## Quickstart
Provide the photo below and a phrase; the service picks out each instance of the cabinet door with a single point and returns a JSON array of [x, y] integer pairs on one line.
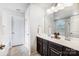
[[39, 46], [73, 53], [77, 53], [65, 51], [56, 46], [45, 42]]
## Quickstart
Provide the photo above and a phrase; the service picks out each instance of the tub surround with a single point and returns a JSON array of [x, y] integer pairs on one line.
[[73, 43]]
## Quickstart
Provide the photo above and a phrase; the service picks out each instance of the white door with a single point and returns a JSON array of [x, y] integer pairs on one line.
[[17, 30]]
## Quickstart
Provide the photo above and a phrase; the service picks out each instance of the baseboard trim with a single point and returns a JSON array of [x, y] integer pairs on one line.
[[17, 45]]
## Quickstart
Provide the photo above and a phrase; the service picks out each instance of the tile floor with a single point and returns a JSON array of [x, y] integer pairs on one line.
[[17, 51], [20, 51], [35, 54]]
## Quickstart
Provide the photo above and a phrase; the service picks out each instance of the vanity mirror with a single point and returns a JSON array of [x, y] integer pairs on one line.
[[59, 22], [64, 21], [62, 26]]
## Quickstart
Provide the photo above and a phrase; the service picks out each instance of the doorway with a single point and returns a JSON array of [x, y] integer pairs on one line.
[[17, 30], [18, 36]]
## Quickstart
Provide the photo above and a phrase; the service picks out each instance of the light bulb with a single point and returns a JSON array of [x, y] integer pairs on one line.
[[49, 11], [53, 8]]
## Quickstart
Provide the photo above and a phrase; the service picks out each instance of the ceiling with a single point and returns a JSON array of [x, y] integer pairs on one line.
[[44, 5], [21, 7]]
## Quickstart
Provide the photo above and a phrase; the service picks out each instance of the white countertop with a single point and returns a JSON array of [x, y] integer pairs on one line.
[[73, 43]]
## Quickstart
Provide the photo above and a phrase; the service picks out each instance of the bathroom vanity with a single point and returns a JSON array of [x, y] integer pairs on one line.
[[47, 46]]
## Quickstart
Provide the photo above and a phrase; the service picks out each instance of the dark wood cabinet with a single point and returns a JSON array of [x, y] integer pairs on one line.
[[73, 53], [40, 45], [55, 46], [54, 49], [48, 48], [45, 47], [66, 51], [53, 52]]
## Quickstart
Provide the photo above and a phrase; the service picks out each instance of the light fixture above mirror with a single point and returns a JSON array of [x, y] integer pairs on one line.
[[57, 7]]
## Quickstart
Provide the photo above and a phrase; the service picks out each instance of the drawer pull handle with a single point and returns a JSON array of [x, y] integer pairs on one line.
[[55, 52], [55, 49]]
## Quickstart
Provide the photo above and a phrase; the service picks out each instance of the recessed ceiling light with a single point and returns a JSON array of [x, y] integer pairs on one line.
[[60, 6], [53, 8], [49, 11]]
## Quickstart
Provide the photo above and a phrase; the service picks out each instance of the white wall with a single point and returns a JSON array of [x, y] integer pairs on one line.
[[36, 18], [0, 25], [4, 31], [35, 15], [27, 31]]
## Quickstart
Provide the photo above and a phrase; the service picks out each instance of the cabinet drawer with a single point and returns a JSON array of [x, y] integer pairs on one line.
[[55, 46], [53, 52]]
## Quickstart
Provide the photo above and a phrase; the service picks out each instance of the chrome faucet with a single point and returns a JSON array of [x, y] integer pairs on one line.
[[56, 35]]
